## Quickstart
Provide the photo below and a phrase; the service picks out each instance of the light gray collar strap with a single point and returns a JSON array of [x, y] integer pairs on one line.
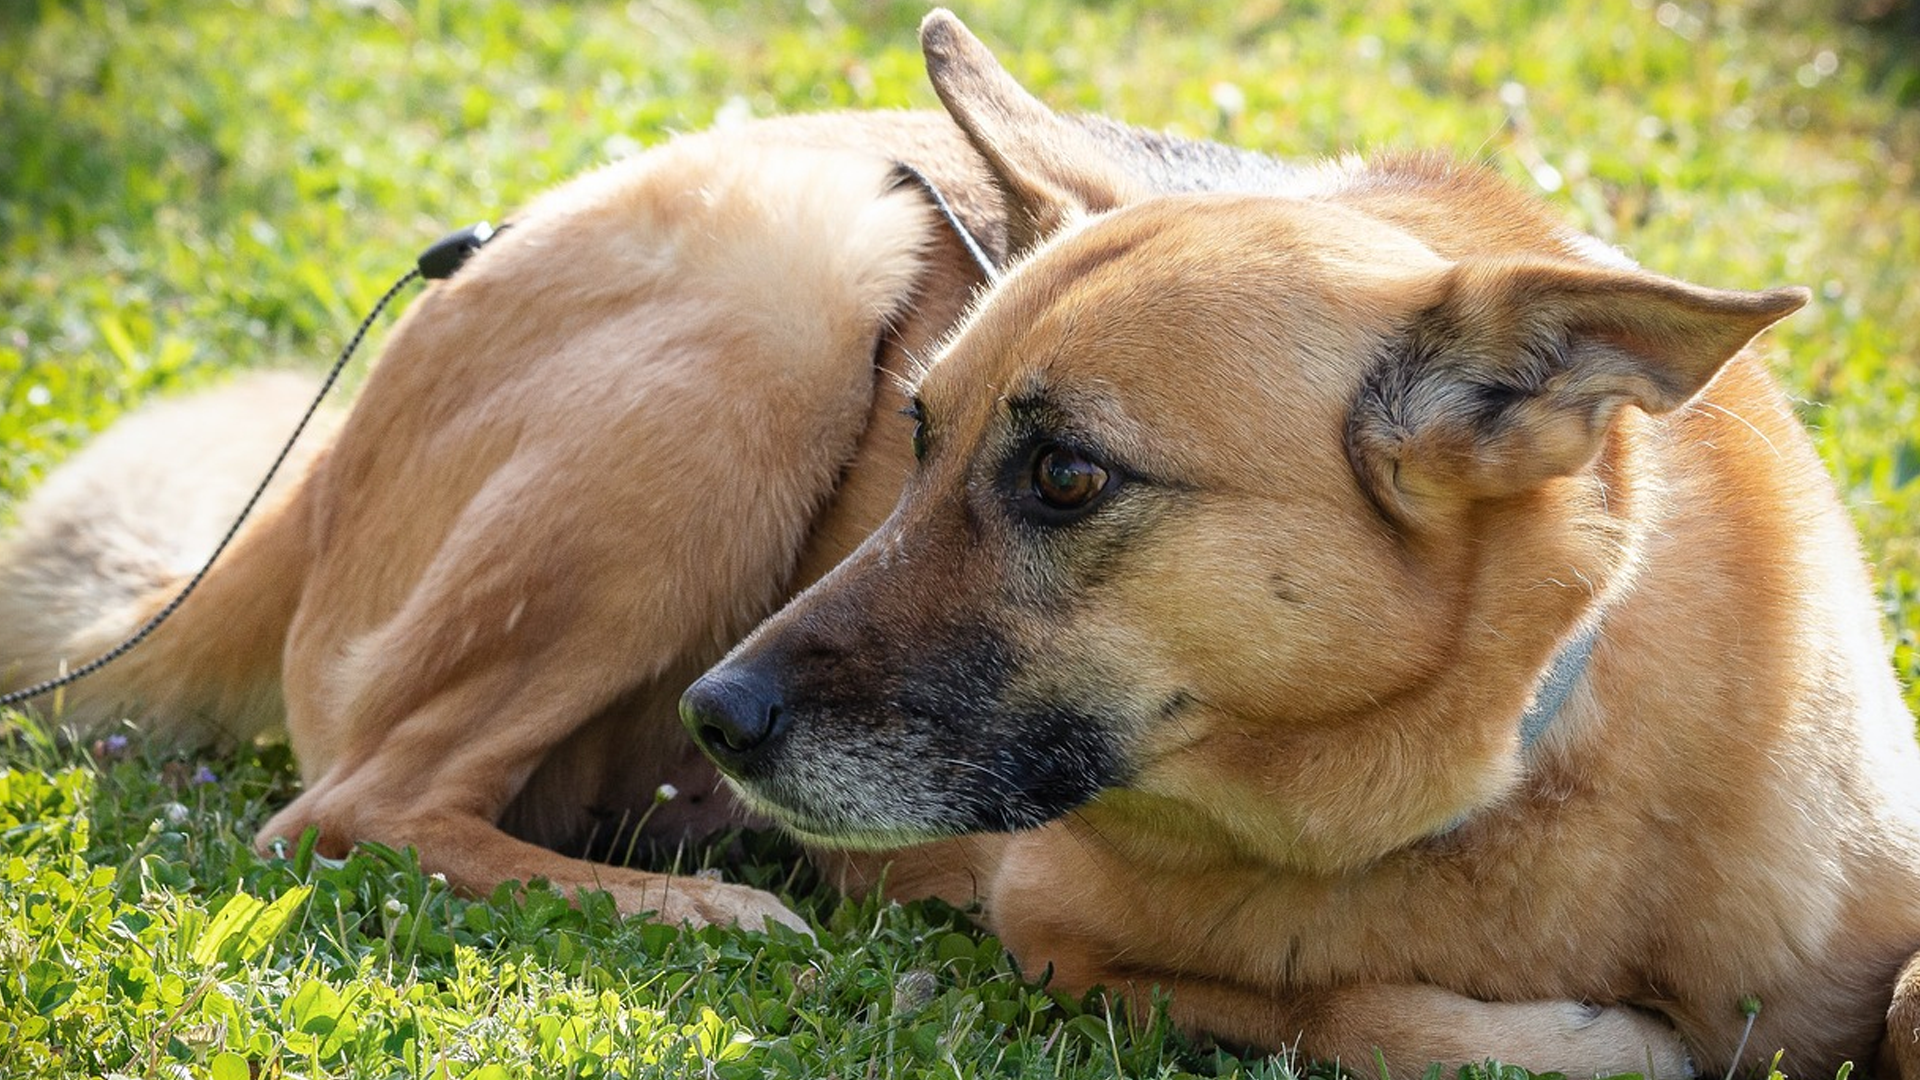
[[1563, 675]]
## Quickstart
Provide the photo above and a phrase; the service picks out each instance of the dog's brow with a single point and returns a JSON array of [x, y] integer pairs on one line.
[[1029, 401], [1038, 402]]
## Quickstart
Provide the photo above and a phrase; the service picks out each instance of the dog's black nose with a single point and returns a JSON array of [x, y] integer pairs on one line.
[[733, 715]]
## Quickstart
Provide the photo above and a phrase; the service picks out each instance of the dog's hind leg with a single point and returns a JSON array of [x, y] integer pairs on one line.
[[588, 462], [1900, 1052], [553, 595]]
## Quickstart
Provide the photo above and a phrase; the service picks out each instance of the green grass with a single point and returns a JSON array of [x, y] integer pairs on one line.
[[188, 188]]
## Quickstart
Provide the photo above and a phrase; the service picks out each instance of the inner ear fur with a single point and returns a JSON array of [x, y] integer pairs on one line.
[[1515, 372], [1048, 169]]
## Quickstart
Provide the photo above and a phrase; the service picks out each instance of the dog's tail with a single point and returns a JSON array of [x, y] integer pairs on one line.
[[113, 535]]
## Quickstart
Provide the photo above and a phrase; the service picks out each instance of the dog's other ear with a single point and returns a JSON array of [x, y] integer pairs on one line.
[[1513, 374], [1047, 169]]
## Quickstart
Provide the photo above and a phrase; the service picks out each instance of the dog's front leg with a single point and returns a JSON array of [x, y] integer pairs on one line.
[[1411, 1026]]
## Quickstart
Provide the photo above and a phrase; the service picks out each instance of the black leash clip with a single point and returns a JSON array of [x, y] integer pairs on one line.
[[449, 253]]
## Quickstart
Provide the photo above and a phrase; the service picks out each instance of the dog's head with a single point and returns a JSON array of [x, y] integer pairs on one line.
[[1262, 510]]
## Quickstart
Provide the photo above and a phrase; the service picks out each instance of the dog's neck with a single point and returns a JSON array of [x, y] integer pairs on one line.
[[1564, 673]]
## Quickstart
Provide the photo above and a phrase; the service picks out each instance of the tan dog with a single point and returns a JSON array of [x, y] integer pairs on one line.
[[1255, 530], [1440, 632]]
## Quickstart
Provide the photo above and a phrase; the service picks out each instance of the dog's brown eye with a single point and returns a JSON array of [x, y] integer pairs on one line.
[[918, 414], [1066, 480]]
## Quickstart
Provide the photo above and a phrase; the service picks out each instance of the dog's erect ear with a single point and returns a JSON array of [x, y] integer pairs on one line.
[[1515, 372], [1047, 168]]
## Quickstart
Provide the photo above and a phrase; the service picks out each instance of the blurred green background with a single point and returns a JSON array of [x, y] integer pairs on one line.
[[193, 186]]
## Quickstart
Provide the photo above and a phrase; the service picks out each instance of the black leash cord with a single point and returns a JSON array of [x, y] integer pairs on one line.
[[438, 261]]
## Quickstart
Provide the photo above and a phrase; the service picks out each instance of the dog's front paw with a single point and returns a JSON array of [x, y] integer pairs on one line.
[[1650, 1043], [702, 901]]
